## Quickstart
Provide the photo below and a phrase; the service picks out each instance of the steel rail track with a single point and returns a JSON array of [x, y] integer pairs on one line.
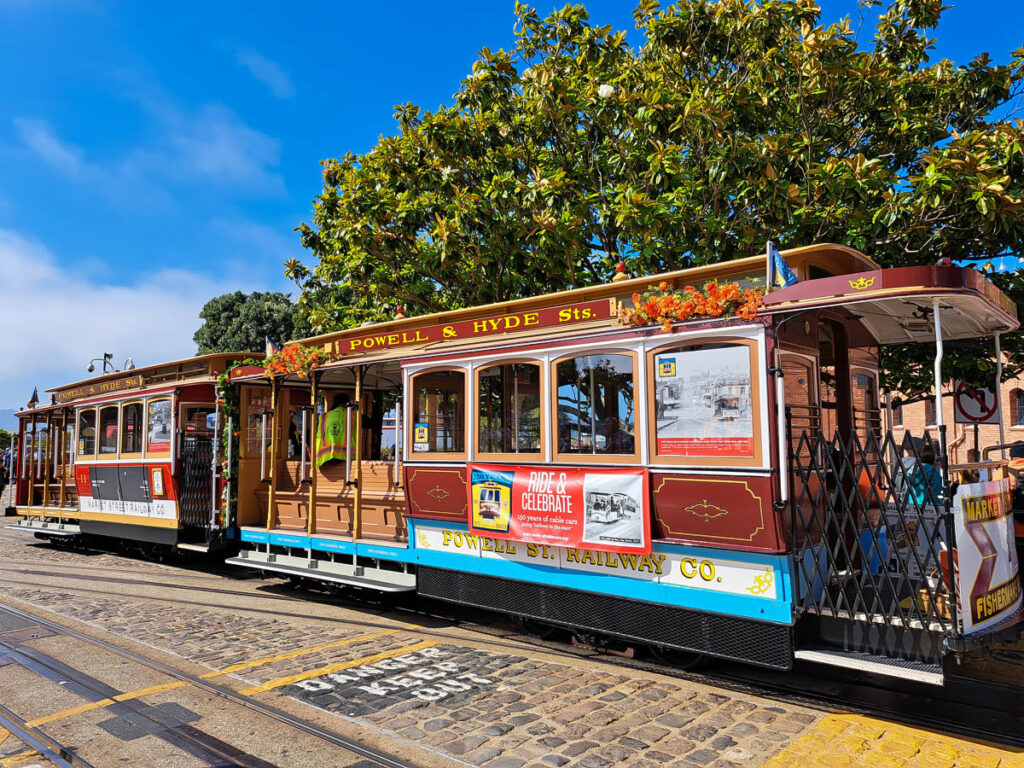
[[358, 748], [45, 745]]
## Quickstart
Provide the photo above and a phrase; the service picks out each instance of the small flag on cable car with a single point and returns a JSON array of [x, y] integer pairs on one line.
[[779, 273], [272, 348]]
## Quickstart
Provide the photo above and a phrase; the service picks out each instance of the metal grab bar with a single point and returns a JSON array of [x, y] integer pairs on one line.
[[303, 477], [214, 454], [226, 509], [398, 444], [348, 444], [263, 447]]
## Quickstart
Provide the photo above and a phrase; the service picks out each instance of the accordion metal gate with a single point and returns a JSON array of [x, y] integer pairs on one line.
[[195, 489], [872, 532]]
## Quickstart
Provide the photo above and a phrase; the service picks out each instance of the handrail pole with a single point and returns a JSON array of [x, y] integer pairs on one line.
[[214, 455], [32, 465], [314, 426], [398, 440], [302, 446], [275, 427], [999, 394], [263, 447], [780, 426], [228, 478], [357, 522]]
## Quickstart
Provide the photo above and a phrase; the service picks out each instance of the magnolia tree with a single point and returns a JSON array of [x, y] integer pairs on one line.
[[734, 122]]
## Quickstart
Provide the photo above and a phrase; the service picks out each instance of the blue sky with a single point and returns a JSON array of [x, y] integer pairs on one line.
[[155, 155]]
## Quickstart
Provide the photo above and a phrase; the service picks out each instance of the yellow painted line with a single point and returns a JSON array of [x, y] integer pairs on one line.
[[306, 651], [149, 691], [853, 740], [105, 703], [20, 758], [70, 712], [271, 684], [4, 733]]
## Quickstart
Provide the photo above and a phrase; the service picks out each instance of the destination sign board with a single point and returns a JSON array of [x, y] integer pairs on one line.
[[600, 309], [112, 386]]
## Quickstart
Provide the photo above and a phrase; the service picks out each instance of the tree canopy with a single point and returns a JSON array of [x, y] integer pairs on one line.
[[733, 123], [239, 322]]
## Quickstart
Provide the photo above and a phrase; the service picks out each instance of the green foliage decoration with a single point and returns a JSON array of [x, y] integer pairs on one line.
[[733, 123]]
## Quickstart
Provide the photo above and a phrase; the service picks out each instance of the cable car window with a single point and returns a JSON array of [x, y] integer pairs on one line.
[[508, 408], [438, 412], [703, 401], [199, 420], [158, 426], [131, 428], [596, 405], [108, 430], [87, 432]]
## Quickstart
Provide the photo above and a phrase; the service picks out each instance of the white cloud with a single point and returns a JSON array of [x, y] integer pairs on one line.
[[210, 144], [267, 72], [61, 320], [39, 137]]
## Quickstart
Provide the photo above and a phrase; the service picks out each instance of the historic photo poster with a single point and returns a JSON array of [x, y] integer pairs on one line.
[[703, 401]]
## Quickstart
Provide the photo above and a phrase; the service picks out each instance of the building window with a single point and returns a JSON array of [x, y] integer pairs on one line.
[[929, 412], [897, 413], [131, 428], [596, 405], [1017, 407], [508, 408], [87, 432], [108, 430], [438, 412]]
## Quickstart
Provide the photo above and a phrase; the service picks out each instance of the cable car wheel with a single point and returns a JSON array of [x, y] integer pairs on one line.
[[535, 628], [678, 658]]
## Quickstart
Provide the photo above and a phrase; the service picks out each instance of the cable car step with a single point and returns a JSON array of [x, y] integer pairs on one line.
[[204, 548], [325, 570], [42, 526], [905, 669]]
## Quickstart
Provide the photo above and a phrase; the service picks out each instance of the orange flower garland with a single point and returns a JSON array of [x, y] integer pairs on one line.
[[293, 358], [663, 305]]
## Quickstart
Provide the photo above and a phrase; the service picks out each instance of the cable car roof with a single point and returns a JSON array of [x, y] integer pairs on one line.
[[895, 305]]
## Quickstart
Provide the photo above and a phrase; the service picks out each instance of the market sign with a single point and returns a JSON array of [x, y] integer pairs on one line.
[[604, 510], [112, 386], [600, 309], [988, 585], [679, 566]]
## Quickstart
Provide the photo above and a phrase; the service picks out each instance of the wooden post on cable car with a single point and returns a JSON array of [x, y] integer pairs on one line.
[[950, 532], [275, 423], [313, 426], [65, 462], [357, 521], [32, 466]]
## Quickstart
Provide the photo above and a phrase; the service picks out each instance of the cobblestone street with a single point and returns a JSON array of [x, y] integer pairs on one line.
[[427, 687]]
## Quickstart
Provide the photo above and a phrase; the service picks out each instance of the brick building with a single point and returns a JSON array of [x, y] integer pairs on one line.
[[920, 416]]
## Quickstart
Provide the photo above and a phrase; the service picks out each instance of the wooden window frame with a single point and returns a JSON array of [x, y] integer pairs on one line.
[[757, 461], [159, 454], [95, 433], [121, 433], [594, 458], [522, 458], [116, 455], [410, 422]]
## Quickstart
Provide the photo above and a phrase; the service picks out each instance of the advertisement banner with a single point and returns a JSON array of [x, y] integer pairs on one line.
[[987, 580], [599, 509]]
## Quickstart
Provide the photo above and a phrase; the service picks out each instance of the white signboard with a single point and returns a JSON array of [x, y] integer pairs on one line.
[[974, 405], [716, 574], [988, 583]]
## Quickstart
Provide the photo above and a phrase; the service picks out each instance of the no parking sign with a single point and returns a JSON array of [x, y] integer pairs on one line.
[[974, 405]]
